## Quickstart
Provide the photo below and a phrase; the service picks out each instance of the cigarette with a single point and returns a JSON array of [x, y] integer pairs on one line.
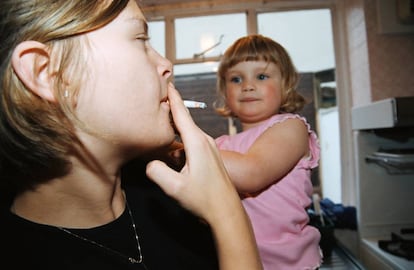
[[195, 104]]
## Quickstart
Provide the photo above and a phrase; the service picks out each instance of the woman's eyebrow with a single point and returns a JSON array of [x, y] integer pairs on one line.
[[138, 21]]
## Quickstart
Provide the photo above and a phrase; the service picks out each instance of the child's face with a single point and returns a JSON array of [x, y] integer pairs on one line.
[[253, 90], [125, 97]]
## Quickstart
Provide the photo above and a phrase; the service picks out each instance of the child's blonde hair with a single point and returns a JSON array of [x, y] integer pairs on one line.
[[260, 48]]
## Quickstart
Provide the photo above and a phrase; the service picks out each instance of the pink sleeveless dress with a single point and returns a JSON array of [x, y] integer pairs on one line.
[[278, 214]]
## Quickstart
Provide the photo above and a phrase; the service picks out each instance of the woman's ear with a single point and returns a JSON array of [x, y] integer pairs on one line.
[[30, 61]]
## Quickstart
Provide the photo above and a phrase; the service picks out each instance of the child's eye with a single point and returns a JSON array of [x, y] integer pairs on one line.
[[235, 79], [262, 77]]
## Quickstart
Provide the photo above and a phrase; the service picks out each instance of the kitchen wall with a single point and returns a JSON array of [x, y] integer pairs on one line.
[[381, 65]]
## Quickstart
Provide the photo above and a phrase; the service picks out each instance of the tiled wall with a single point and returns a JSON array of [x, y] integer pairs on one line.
[[381, 65], [357, 52]]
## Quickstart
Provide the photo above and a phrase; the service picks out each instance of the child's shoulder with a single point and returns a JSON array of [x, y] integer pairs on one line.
[[281, 117]]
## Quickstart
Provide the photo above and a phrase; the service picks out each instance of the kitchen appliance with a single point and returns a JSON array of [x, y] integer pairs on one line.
[[384, 143]]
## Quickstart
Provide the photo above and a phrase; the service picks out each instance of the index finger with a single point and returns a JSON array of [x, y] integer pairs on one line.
[[182, 118]]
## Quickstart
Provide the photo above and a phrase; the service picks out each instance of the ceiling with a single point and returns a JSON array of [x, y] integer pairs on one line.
[[145, 3], [201, 3], [160, 8]]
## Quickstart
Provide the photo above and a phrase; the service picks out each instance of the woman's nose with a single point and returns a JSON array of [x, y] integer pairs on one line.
[[164, 66]]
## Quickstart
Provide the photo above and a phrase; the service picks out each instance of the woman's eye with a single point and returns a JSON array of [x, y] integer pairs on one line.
[[143, 38]]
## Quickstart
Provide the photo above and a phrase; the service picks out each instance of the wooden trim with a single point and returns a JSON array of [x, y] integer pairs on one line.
[[344, 101], [170, 48], [252, 21], [196, 60], [213, 7]]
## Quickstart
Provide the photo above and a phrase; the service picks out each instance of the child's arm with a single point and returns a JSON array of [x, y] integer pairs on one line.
[[270, 157]]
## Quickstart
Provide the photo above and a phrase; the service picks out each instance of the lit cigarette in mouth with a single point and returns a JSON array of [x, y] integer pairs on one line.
[[195, 104]]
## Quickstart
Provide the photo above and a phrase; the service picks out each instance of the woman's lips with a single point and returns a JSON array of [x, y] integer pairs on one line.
[[165, 99]]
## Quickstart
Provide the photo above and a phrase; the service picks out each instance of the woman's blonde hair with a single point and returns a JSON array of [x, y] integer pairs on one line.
[[260, 48], [36, 135]]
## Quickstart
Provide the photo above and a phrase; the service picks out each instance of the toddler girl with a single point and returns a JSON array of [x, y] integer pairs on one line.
[[271, 159]]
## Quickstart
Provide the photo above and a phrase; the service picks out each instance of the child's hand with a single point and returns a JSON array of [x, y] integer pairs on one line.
[[173, 155], [177, 155]]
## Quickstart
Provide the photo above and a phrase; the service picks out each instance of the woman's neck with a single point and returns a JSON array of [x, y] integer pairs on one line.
[[71, 203]]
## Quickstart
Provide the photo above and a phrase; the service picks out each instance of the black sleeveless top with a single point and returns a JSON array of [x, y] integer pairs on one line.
[[170, 238]]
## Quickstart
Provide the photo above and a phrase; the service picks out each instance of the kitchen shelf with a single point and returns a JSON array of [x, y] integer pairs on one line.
[[395, 161], [387, 113], [376, 254]]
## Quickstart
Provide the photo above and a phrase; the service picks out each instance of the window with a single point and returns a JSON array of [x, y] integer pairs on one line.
[[156, 32], [199, 34], [206, 37], [306, 35]]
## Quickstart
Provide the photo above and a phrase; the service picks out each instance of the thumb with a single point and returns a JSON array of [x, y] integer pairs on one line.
[[163, 176]]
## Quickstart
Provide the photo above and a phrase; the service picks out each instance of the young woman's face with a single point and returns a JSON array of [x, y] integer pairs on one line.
[[253, 90], [125, 97]]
